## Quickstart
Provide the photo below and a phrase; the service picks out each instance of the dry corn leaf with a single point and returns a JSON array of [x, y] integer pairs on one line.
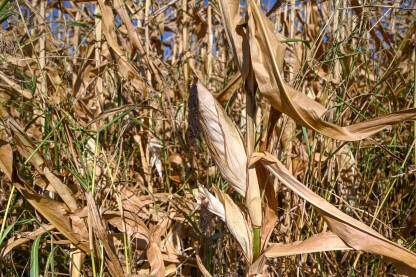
[[154, 255], [102, 234], [223, 140], [15, 87], [24, 144], [6, 160], [127, 70], [326, 241], [54, 211], [155, 260], [13, 242], [134, 226], [233, 84], [26, 148], [270, 207], [121, 9], [231, 19], [353, 232], [265, 48], [63, 191], [237, 223]]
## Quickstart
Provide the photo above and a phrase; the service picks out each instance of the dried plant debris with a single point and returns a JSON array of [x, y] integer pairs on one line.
[[215, 138]]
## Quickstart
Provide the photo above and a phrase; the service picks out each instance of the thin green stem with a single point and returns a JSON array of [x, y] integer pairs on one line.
[[6, 212], [44, 141]]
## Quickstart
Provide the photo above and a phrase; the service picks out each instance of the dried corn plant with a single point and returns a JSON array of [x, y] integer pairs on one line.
[[184, 137]]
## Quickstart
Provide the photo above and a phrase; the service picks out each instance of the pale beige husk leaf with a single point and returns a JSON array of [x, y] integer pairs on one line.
[[223, 140], [237, 223], [214, 205], [353, 232]]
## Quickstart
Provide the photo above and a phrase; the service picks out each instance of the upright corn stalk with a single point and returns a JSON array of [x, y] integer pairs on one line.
[[253, 201]]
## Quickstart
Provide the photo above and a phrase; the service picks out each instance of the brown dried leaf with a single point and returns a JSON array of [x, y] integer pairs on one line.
[[24, 144], [237, 38], [126, 69], [15, 87], [54, 211], [13, 243], [6, 160], [233, 84], [63, 191], [102, 234], [135, 227], [155, 260]]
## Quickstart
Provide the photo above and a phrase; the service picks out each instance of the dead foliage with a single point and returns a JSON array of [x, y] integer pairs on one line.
[[162, 138]]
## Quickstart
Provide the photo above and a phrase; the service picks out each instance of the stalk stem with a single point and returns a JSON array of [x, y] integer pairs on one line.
[[256, 243], [253, 200]]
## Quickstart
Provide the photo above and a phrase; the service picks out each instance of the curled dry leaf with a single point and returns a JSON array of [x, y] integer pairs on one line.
[[353, 232], [237, 223], [223, 140], [233, 84], [265, 47], [154, 254], [230, 213], [204, 197]]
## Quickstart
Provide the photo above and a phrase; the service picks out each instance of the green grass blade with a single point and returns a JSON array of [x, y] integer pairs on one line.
[[34, 258]]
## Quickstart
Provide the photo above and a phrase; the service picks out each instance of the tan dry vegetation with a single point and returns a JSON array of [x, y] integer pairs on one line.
[[162, 138]]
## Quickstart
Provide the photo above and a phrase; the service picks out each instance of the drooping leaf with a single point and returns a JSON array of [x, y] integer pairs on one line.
[[326, 241], [353, 232]]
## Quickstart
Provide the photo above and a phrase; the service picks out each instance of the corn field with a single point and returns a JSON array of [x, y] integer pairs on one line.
[[207, 138]]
